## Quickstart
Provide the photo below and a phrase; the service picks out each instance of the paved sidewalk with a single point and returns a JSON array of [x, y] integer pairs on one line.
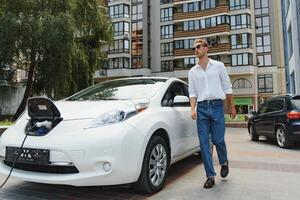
[[258, 170]]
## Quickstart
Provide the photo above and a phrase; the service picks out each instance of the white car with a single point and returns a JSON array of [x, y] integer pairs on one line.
[[117, 132]]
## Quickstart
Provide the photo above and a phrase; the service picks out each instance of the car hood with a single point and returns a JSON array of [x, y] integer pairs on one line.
[[89, 109]]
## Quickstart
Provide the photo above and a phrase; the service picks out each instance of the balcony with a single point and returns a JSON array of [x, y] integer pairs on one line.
[[201, 13], [214, 49], [201, 32], [113, 73], [241, 70]]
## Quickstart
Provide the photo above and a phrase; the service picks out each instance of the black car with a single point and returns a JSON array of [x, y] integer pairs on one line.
[[279, 118]]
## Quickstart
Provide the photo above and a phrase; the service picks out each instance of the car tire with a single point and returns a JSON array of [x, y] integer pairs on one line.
[[252, 134], [281, 138], [155, 166]]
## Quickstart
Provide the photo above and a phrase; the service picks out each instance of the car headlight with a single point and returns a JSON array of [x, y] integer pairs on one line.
[[118, 115]]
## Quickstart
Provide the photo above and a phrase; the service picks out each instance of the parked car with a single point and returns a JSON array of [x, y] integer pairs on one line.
[[279, 118], [117, 132]]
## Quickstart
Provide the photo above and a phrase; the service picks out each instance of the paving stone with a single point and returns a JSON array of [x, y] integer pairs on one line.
[[258, 171]]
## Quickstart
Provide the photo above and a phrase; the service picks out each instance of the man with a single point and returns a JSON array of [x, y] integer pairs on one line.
[[209, 85]]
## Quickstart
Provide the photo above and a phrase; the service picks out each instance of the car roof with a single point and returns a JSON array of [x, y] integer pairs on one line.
[[148, 77], [287, 96]]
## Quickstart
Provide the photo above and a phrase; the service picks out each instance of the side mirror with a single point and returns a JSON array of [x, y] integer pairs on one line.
[[253, 113], [181, 101]]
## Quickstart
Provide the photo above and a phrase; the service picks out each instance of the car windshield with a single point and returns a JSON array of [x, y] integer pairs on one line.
[[126, 89], [296, 102]]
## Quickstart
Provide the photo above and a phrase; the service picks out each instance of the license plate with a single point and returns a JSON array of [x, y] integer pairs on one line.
[[27, 155]]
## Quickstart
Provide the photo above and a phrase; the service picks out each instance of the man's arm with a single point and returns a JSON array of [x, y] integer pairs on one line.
[[193, 96], [230, 105], [227, 88], [193, 102]]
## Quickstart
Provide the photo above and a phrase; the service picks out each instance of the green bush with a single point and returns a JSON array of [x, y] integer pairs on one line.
[[6, 123]]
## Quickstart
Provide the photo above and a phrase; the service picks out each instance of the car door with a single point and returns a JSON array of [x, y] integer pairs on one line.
[[275, 113], [192, 132], [178, 118], [259, 119]]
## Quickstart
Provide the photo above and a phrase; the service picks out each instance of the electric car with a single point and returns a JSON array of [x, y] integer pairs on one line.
[[116, 132]]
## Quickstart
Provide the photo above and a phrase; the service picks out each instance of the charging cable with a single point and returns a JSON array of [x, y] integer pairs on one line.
[[17, 156]]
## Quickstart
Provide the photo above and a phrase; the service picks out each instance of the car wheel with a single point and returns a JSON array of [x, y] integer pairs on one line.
[[155, 166], [281, 137], [252, 133]]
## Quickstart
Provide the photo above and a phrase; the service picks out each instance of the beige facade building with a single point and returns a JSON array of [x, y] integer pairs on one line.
[[154, 38]]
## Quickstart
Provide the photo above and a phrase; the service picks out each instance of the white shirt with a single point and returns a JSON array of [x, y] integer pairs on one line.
[[212, 83]]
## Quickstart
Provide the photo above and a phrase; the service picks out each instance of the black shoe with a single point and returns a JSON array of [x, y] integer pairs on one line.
[[224, 170], [209, 183]]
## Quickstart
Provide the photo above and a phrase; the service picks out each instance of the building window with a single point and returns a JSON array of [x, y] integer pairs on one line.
[[119, 63], [287, 6], [137, 63], [261, 7], [240, 21], [185, 63], [166, 1], [119, 46], [207, 4], [196, 6], [120, 28], [264, 60], [137, 12], [166, 32], [293, 83], [202, 23], [265, 83], [137, 47], [290, 41], [241, 59], [263, 43], [167, 66], [119, 11], [189, 43], [166, 49], [239, 4], [262, 24], [166, 14], [239, 41], [241, 83]]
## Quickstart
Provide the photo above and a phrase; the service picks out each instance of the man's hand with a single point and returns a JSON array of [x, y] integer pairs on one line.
[[193, 114], [232, 112]]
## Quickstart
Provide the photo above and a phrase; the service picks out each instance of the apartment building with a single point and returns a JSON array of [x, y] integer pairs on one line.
[[155, 38], [291, 31]]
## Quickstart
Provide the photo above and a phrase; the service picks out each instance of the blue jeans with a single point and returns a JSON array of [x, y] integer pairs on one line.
[[211, 125]]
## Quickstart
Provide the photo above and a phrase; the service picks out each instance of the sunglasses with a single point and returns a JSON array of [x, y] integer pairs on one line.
[[197, 47]]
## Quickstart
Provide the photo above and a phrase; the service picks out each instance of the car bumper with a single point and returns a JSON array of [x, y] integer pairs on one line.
[[120, 145], [294, 131]]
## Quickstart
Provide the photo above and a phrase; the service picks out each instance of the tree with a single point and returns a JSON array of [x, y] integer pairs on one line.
[[56, 41]]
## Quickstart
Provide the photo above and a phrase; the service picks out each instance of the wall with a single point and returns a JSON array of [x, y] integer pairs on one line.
[[10, 98]]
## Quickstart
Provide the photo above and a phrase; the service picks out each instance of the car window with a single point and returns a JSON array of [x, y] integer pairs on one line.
[[120, 90], [175, 89], [275, 105], [295, 101], [263, 109]]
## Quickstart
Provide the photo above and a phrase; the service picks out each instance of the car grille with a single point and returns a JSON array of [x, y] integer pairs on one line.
[[44, 168]]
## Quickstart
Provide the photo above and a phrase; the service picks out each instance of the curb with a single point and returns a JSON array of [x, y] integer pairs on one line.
[[236, 124]]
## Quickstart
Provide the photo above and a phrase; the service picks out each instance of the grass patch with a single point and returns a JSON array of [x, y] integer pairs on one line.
[[6, 123]]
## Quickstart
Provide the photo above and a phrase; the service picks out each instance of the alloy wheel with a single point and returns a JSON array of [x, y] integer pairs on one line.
[[280, 137], [157, 165]]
